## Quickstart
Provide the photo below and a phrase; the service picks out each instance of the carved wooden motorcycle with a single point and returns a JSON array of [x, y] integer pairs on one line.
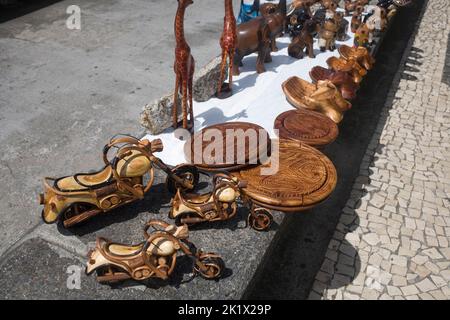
[[218, 205], [154, 258], [77, 198]]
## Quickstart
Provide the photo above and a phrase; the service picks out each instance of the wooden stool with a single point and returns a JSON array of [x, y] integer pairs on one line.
[[244, 153], [305, 178], [309, 127]]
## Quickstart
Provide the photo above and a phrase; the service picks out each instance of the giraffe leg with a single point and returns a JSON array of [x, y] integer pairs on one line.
[[184, 85], [222, 71], [230, 69], [191, 102], [175, 102]]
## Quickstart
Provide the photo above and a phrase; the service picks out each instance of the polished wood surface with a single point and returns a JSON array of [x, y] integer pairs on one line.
[[305, 178], [309, 127], [249, 152]]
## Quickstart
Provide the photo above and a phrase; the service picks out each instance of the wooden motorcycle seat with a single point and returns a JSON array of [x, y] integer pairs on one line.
[[305, 177], [133, 165], [159, 246], [309, 127], [196, 198], [248, 152]]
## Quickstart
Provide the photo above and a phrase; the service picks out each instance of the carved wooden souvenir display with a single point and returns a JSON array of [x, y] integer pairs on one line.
[[356, 21], [184, 70], [218, 205], [156, 257], [341, 34], [253, 36], [276, 22], [309, 127], [364, 36], [75, 199], [327, 35], [228, 43], [237, 151], [351, 66], [323, 97], [360, 54], [340, 79], [305, 177], [304, 41]]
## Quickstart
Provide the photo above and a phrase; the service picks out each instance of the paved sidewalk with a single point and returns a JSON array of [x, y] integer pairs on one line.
[[398, 217]]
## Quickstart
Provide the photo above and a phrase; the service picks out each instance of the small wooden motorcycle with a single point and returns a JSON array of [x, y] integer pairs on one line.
[[218, 205], [74, 199], [154, 258]]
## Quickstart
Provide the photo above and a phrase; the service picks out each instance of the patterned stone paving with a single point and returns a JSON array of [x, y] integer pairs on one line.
[[398, 217]]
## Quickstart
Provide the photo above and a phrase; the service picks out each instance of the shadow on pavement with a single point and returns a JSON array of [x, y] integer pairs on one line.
[[13, 9]]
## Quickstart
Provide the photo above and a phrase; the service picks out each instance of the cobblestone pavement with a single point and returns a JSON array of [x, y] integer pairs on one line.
[[398, 217]]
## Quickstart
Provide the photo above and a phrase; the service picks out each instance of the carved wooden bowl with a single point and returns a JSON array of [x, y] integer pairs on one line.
[[343, 80], [309, 127], [305, 178], [244, 153], [351, 66], [296, 91]]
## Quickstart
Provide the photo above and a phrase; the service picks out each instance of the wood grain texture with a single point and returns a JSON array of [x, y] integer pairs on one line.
[[309, 127], [305, 178], [248, 151]]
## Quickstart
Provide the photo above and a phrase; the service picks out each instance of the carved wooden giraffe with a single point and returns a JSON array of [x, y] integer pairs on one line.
[[184, 69], [228, 42]]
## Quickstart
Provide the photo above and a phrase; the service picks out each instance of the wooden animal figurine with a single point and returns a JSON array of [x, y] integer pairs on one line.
[[330, 7], [304, 41], [356, 19], [156, 257], [327, 35], [363, 36], [323, 97], [342, 80], [351, 5], [351, 66], [378, 20], [228, 43], [341, 34], [267, 8], [127, 176], [276, 22], [253, 36], [184, 70]]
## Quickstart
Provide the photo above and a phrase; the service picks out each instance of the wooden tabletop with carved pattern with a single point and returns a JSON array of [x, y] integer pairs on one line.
[[309, 127], [305, 178]]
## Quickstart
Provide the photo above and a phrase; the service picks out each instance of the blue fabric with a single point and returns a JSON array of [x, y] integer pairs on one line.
[[247, 13]]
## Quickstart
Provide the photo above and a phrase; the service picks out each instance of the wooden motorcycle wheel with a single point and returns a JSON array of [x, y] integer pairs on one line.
[[260, 220], [214, 268], [305, 177], [309, 127], [250, 153]]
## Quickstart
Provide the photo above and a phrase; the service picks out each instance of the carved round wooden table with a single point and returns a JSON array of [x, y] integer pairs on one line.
[[309, 127], [244, 153], [305, 178]]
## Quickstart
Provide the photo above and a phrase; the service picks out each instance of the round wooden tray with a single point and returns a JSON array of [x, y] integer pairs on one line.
[[306, 126], [249, 152], [305, 178]]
